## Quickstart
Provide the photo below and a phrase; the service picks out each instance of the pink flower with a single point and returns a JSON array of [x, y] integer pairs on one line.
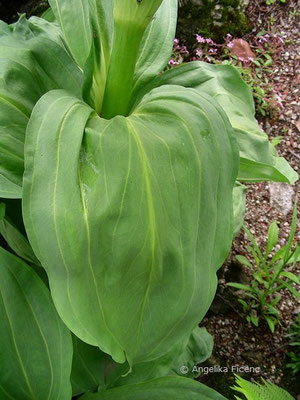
[[210, 41], [198, 53], [173, 62], [228, 36], [279, 101], [184, 50], [230, 44], [200, 39], [176, 41]]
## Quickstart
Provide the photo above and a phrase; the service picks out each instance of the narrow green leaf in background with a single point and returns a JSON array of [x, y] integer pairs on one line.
[[239, 207], [78, 40], [15, 239], [88, 368], [272, 238]]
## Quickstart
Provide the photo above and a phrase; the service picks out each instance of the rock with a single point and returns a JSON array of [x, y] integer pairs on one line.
[[241, 49], [281, 196], [211, 19]]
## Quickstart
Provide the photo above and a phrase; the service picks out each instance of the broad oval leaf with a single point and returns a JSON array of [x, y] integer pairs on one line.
[[259, 160], [131, 217], [169, 388], [35, 346]]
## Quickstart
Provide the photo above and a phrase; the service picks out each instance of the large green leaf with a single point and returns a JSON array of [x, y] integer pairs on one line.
[[258, 158], [170, 388], [157, 44], [26, 73], [131, 217], [35, 346]]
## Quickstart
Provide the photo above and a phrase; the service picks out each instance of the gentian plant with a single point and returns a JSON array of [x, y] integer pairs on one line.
[[270, 274], [117, 185]]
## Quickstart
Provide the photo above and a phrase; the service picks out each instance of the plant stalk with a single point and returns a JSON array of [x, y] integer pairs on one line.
[[127, 39]]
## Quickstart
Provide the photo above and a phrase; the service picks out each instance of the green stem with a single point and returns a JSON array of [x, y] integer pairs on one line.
[[127, 39]]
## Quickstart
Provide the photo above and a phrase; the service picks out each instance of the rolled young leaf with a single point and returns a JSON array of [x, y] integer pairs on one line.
[[259, 160], [130, 217], [169, 388], [35, 346]]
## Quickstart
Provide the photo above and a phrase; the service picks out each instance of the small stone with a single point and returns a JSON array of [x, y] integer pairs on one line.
[[242, 49], [281, 196]]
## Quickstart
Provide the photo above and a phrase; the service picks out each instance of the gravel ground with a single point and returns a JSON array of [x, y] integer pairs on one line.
[[237, 342]]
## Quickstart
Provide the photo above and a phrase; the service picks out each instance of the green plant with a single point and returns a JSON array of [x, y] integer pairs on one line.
[[116, 186], [256, 391], [270, 2], [269, 274], [294, 13], [294, 338]]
